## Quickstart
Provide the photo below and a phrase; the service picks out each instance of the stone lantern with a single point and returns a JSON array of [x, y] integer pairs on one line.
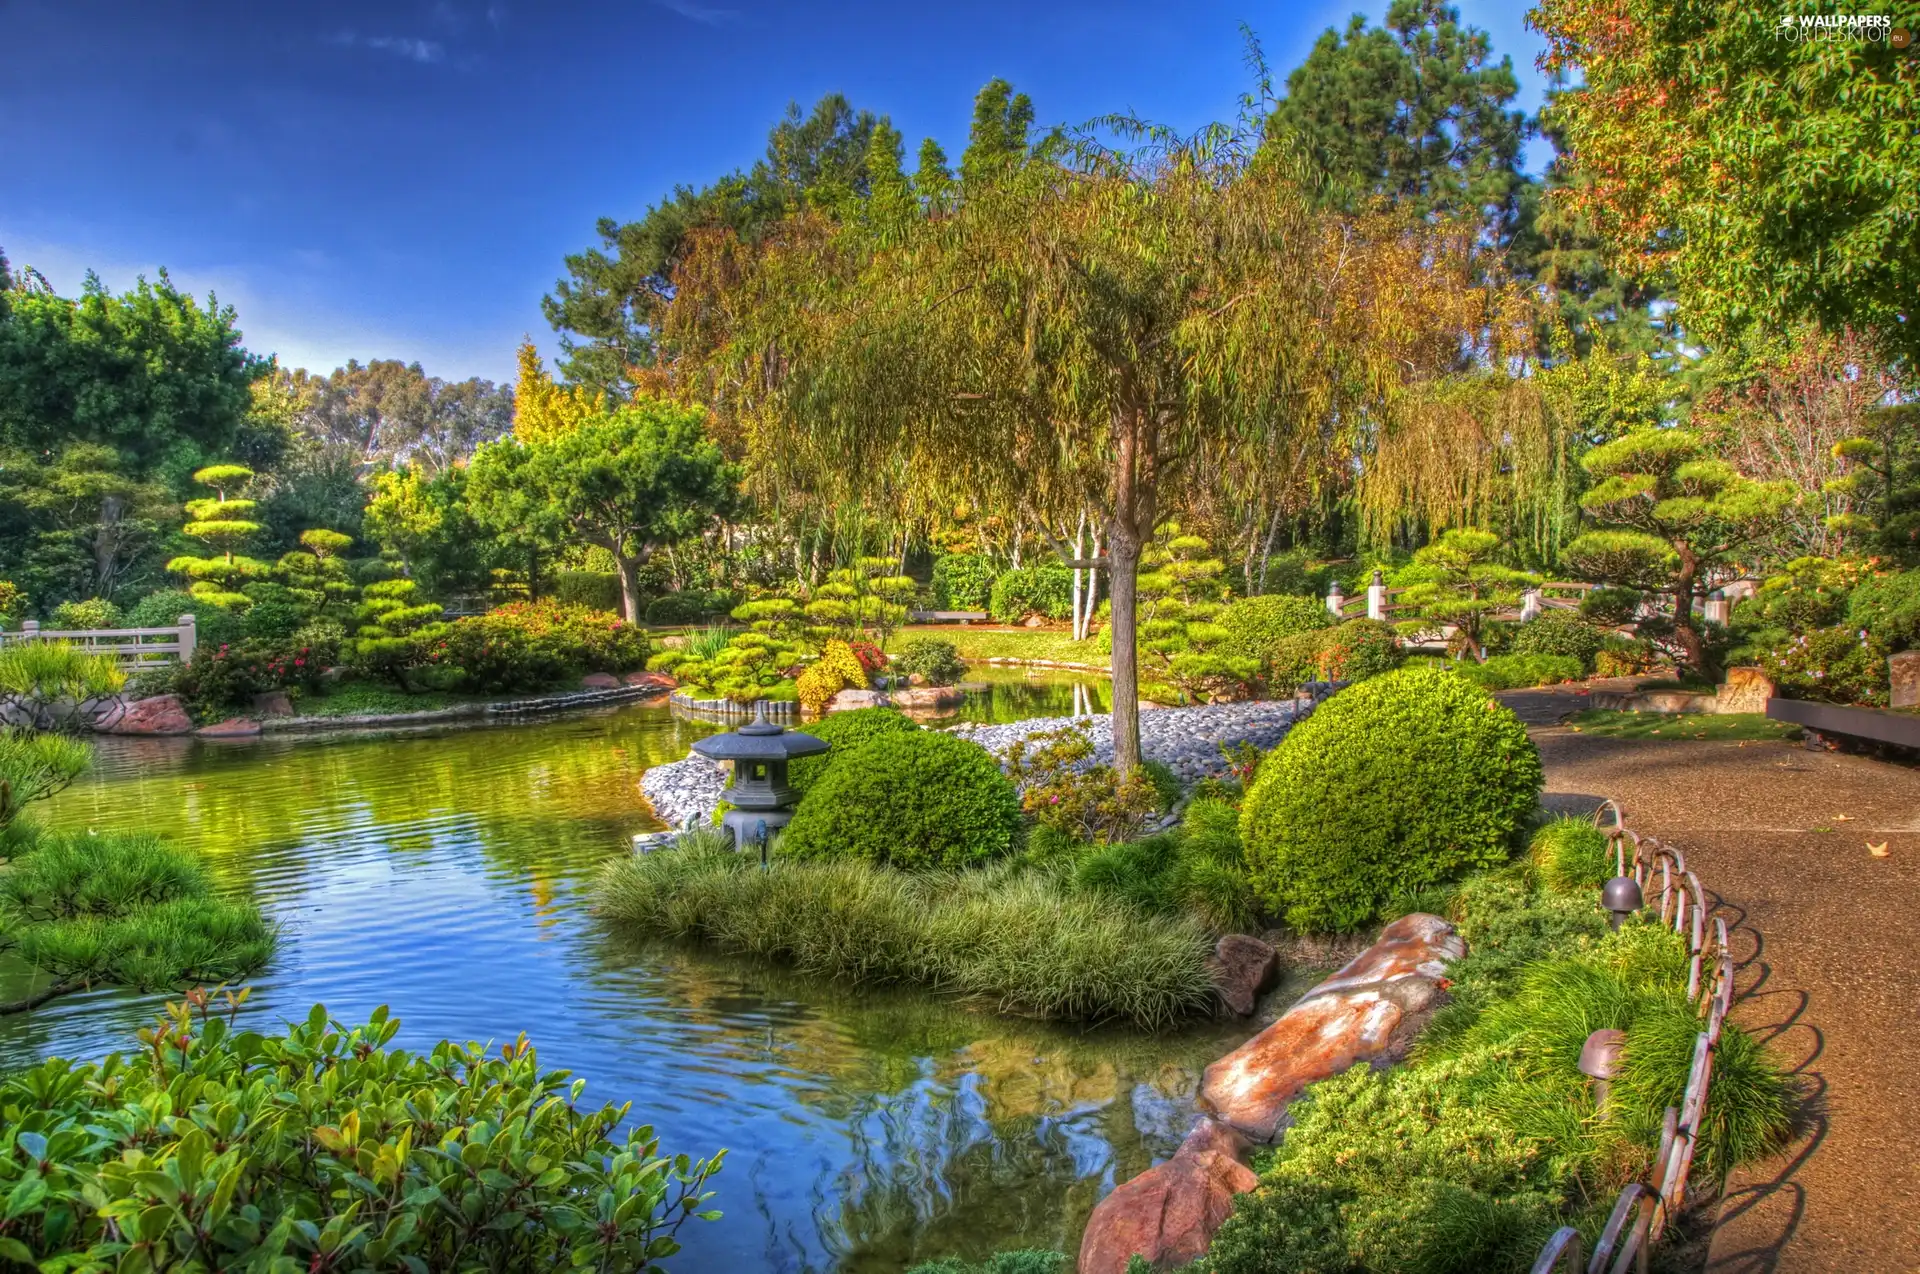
[[761, 797]]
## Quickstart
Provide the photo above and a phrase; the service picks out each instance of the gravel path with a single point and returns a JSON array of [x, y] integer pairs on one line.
[[1827, 938], [1187, 739]]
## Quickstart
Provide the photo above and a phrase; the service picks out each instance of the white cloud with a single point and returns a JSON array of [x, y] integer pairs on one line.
[[694, 11], [425, 52]]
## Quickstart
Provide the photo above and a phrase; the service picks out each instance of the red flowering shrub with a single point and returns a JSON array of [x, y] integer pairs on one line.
[[872, 661], [483, 656], [222, 680]]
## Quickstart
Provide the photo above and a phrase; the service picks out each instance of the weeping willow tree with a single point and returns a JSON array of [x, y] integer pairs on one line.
[[1095, 325]]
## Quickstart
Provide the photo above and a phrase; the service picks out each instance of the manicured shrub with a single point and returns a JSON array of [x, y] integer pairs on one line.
[[1829, 665], [1032, 590], [1611, 606], [689, 606], [846, 731], [1359, 649], [1258, 629], [1624, 657], [233, 1152], [1570, 856], [579, 638], [838, 668], [1394, 785], [930, 657], [909, 799], [483, 655], [95, 612], [1024, 943], [962, 581], [1556, 632], [1888, 607], [595, 590], [223, 680], [1517, 672]]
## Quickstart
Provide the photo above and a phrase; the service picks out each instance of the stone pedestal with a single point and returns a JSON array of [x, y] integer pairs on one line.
[[1746, 690], [1903, 671]]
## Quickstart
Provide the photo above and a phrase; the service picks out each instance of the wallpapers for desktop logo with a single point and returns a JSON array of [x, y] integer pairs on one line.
[[1860, 28]]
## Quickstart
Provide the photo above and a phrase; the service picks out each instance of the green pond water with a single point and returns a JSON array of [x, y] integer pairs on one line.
[[446, 872]]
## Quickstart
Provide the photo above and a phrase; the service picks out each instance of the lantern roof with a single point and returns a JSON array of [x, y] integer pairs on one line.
[[759, 740]]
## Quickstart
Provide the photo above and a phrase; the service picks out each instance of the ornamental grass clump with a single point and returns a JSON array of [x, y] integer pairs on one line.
[[320, 1146], [908, 799], [1391, 787], [1024, 943]]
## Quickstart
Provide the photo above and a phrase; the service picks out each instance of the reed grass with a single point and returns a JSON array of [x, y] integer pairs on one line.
[[1024, 942]]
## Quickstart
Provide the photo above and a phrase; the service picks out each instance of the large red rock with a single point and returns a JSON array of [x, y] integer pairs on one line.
[[231, 728], [650, 680], [160, 714], [1357, 1015], [273, 703], [1168, 1214], [599, 681], [1242, 968], [925, 697]]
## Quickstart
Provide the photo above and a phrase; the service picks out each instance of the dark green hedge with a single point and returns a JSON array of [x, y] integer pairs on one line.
[[597, 589], [1391, 786], [910, 799], [1258, 627]]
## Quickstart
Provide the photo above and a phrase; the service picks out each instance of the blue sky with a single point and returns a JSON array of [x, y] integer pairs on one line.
[[381, 180]]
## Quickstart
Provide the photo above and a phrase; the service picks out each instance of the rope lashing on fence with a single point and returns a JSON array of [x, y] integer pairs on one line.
[[1643, 1210]]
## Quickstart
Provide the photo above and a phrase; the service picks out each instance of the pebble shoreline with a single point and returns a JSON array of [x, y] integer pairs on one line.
[[1187, 739]]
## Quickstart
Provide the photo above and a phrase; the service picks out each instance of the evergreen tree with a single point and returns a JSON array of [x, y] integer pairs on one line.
[[1415, 112], [224, 522], [998, 138]]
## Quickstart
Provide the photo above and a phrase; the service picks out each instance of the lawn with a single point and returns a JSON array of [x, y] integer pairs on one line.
[[975, 641], [1649, 725]]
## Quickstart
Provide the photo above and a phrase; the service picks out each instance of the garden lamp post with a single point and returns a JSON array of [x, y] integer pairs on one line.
[[1600, 1060], [761, 797], [1621, 896]]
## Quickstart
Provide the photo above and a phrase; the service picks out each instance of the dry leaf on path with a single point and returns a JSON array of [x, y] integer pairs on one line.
[[1878, 851]]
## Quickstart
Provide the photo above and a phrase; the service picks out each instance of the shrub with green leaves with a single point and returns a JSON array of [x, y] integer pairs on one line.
[[1611, 605], [1258, 629], [1032, 590], [846, 731], [595, 590], [1888, 607], [1557, 632], [95, 612], [323, 1147], [1829, 665], [1359, 649], [1518, 672], [1391, 786], [962, 581], [163, 608], [937, 661], [908, 799]]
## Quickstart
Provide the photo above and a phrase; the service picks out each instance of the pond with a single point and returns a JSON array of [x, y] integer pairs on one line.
[[445, 873]]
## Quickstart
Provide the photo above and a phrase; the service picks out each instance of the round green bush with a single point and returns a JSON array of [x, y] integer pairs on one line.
[[912, 799], [95, 612], [1556, 632], [1359, 649], [1045, 590], [846, 731], [930, 657], [1259, 627], [1888, 607], [1391, 786]]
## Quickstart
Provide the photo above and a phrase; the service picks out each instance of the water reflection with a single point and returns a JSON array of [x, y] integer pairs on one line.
[[444, 873]]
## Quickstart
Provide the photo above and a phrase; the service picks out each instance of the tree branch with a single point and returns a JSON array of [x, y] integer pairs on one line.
[[35, 1000]]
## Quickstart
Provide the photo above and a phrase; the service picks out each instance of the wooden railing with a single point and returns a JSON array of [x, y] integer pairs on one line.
[[135, 648]]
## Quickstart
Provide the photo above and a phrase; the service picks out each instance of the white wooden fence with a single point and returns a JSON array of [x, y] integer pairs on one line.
[[135, 648]]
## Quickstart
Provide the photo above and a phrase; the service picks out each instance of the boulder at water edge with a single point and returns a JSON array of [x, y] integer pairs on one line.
[[1242, 968], [274, 703], [1363, 1013], [659, 681], [850, 700], [599, 681], [159, 714], [1168, 1213], [231, 728]]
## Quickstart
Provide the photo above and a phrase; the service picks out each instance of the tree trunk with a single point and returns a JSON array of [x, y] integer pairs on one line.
[[1131, 524], [1692, 645], [629, 569]]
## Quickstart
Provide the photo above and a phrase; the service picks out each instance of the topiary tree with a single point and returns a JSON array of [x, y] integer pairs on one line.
[[1183, 589], [1464, 585], [1391, 786], [395, 631], [1258, 628], [316, 575], [846, 731], [911, 799], [869, 596], [1673, 517], [223, 522]]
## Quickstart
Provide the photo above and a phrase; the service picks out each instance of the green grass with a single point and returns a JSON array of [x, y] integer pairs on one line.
[[1692, 725], [365, 698], [1023, 942], [975, 641]]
